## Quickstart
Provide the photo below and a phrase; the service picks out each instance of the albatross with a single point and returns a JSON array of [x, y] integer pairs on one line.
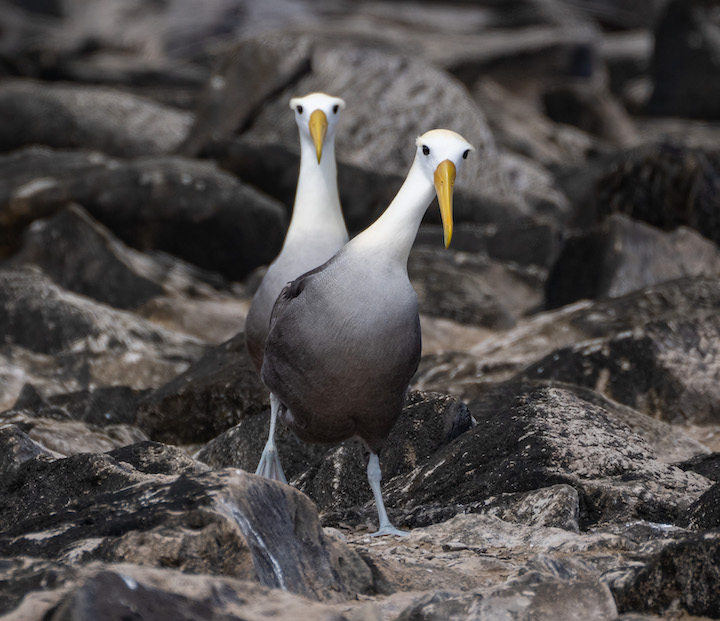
[[316, 232], [344, 338]]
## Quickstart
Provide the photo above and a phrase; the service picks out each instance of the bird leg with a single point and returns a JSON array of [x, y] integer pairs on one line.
[[374, 475], [269, 465]]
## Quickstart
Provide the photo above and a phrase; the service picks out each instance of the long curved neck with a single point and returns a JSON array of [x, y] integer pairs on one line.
[[317, 202], [392, 235]]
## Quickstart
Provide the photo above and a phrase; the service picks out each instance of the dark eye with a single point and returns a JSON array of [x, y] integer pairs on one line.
[[426, 150], [466, 154], [335, 109], [299, 109]]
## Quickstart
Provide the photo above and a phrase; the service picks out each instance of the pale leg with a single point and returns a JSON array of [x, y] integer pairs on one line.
[[269, 465], [374, 475]]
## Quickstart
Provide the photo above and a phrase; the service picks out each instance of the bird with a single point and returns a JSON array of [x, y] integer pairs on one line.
[[316, 232], [344, 339]]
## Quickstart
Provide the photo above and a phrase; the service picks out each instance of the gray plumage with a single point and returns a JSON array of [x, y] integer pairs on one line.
[[343, 346]]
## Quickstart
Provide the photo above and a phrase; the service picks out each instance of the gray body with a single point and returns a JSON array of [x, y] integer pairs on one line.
[[293, 261], [343, 345]]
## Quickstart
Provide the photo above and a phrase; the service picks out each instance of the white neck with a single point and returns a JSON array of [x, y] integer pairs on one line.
[[317, 204], [392, 235]]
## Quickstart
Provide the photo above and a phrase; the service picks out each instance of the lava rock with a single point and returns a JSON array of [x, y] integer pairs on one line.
[[468, 289], [549, 436], [239, 84], [683, 574], [70, 437], [666, 185], [624, 256], [17, 448], [685, 65], [122, 507], [81, 255], [534, 595], [186, 208], [84, 117], [707, 465], [705, 512], [667, 369], [215, 393]]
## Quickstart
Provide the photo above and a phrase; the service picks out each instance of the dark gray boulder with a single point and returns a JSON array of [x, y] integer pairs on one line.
[[83, 256], [707, 465], [592, 108], [548, 436], [100, 406], [73, 323], [584, 329], [186, 208], [705, 512], [215, 393], [17, 448], [681, 575], [665, 184], [67, 116], [667, 369], [470, 289], [622, 256], [239, 85], [535, 595], [686, 65]]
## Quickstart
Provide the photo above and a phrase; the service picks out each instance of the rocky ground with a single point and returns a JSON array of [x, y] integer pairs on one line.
[[558, 456]]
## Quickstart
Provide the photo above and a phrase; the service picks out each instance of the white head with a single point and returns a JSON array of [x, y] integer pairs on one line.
[[317, 115], [440, 153]]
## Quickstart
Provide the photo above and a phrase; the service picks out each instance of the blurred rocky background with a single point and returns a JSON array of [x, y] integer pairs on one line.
[[557, 457]]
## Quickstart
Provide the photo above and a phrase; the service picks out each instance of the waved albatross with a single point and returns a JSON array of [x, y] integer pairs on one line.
[[316, 232], [344, 338]]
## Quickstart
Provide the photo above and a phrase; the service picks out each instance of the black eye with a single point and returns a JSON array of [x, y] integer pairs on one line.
[[426, 150], [335, 109], [466, 154], [299, 109]]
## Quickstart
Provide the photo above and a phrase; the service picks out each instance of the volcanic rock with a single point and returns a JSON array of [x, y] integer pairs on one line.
[[215, 393], [685, 64], [84, 117], [468, 289], [154, 506], [665, 184], [183, 207], [623, 256], [549, 436]]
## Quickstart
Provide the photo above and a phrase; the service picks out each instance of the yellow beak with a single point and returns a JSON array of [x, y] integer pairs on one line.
[[318, 128], [444, 181]]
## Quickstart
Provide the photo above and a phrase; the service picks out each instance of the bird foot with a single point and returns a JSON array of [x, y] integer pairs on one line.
[[269, 465], [389, 529]]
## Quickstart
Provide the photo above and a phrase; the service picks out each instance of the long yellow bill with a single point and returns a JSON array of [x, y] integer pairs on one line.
[[444, 181], [318, 128]]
